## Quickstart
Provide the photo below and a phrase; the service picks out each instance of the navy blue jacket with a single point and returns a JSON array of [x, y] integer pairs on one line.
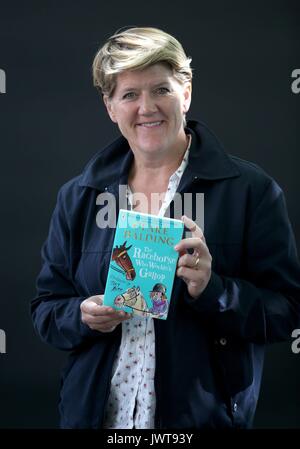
[[210, 351]]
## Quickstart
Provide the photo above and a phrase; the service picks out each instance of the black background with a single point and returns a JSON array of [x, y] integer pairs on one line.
[[52, 121]]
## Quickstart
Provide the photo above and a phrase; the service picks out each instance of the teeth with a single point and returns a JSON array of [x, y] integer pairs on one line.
[[148, 125]]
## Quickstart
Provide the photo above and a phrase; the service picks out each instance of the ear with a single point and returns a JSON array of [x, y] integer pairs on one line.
[[109, 107], [187, 96]]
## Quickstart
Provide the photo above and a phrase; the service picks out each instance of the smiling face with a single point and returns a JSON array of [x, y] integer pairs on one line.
[[157, 296], [149, 106]]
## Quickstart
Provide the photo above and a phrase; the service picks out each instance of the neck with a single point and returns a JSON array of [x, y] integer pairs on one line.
[[158, 166]]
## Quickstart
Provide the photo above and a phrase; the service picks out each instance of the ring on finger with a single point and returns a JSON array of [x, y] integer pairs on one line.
[[197, 262]]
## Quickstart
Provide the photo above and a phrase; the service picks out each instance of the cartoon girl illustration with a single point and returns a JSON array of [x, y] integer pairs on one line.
[[159, 300]]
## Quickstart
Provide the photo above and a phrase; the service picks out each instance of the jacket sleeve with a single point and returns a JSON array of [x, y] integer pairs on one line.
[[262, 305], [56, 308]]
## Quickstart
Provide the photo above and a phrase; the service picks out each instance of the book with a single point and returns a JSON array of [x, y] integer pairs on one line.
[[143, 264]]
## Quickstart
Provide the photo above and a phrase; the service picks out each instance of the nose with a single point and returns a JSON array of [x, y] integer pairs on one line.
[[147, 104]]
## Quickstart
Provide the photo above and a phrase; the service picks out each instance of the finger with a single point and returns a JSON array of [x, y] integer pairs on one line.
[[94, 306], [190, 274], [188, 260], [192, 242], [193, 227], [100, 311], [98, 324], [111, 323], [107, 329], [119, 316], [98, 299]]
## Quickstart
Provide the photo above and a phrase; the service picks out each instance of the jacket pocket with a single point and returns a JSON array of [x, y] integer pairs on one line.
[[236, 375]]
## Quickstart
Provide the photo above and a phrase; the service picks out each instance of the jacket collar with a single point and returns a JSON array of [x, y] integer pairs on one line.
[[207, 160]]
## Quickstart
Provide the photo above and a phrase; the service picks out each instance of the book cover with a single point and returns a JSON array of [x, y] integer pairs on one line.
[[143, 264]]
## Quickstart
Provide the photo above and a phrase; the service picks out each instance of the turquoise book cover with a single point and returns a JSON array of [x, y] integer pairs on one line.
[[143, 264]]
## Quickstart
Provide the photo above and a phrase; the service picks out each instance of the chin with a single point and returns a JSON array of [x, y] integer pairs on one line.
[[151, 149], [151, 145]]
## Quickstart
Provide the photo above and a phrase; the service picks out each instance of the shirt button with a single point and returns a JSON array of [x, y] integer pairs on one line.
[[234, 407], [223, 341]]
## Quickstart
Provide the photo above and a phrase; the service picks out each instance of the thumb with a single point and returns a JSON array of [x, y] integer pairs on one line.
[[98, 299]]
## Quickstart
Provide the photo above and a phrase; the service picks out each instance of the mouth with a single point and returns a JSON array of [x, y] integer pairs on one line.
[[130, 276], [151, 124]]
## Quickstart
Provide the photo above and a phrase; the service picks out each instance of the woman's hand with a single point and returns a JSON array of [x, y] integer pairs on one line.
[[194, 269], [99, 317]]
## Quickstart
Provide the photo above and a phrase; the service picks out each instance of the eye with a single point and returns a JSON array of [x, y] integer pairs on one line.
[[162, 91], [129, 96]]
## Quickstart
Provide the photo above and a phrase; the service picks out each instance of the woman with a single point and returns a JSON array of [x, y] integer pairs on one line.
[[235, 290]]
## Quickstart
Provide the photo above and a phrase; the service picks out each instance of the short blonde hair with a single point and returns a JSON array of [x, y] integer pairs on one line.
[[138, 48]]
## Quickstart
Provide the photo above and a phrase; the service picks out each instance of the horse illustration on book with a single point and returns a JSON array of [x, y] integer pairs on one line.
[[121, 257], [133, 298]]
